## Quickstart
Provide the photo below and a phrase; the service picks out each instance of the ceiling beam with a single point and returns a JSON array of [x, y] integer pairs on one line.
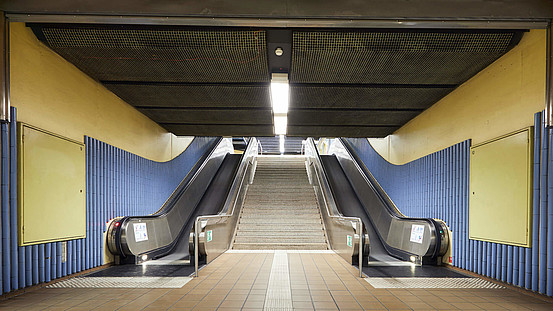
[[219, 130], [398, 23], [304, 9]]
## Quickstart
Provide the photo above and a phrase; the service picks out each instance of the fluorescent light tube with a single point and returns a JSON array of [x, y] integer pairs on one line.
[[280, 91], [280, 124]]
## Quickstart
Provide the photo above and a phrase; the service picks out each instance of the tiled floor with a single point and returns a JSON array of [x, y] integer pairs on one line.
[[238, 281]]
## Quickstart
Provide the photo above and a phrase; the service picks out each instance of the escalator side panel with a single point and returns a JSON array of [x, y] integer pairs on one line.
[[349, 205], [395, 229], [213, 200], [163, 228]]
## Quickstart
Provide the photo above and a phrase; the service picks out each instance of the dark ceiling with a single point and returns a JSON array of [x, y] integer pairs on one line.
[[393, 9], [215, 81]]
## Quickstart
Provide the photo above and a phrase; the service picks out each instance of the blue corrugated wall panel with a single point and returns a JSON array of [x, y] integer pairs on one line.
[[118, 184], [437, 186]]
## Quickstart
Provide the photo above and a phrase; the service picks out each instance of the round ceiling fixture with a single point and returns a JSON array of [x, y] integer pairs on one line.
[[279, 51]]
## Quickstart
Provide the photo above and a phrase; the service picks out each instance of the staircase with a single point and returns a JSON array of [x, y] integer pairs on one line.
[[280, 209]]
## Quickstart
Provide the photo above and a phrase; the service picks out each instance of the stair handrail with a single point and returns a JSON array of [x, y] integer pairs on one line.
[[313, 155], [248, 160]]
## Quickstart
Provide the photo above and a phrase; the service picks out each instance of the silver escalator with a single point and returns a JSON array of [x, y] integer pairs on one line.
[[287, 204], [206, 190], [392, 236]]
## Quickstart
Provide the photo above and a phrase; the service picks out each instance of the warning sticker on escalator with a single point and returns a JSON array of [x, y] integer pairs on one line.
[[417, 233], [140, 232]]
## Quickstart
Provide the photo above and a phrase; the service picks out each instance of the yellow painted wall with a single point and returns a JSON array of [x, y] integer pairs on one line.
[[500, 99], [52, 94]]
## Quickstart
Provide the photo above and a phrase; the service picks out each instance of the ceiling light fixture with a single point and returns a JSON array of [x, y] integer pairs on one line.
[[280, 92], [280, 124]]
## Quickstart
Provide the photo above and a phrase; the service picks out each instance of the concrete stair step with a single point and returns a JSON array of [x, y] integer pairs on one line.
[[276, 198], [280, 239], [267, 203], [279, 227], [280, 212], [283, 207], [268, 220], [303, 221], [280, 215], [250, 233], [280, 246], [277, 211]]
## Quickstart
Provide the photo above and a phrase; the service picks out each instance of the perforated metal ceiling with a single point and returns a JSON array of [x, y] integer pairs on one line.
[[191, 95], [215, 81], [393, 57], [365, 97], [164, 55]]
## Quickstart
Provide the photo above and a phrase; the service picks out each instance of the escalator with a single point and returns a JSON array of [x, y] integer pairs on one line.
[[349, 204], [212, 212], [164, 235], [395, 240]]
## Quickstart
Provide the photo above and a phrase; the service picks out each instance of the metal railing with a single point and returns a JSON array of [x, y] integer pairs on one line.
[[338, 227], [223, 225]]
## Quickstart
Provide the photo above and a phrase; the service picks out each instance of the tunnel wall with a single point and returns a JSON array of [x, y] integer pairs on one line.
[[500, 99], [119, 183], [54, 95], [437, 186]]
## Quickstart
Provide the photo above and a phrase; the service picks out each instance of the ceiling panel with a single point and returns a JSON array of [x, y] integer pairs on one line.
[[161, 54], [219, 130], [209, 116], [322, 117], [365, 96], [192, 95], [398, 57], [340, 131]]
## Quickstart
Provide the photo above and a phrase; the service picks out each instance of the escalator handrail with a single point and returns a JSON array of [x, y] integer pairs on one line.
[[236, 184], [323, 181]]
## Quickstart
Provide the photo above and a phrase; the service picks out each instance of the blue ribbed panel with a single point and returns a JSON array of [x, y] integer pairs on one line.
[[118, 184], [437, 186]]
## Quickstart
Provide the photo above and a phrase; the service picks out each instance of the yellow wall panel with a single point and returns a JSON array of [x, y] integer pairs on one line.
[[500, 189], [51, 93], [500, 99], [51, 188]]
